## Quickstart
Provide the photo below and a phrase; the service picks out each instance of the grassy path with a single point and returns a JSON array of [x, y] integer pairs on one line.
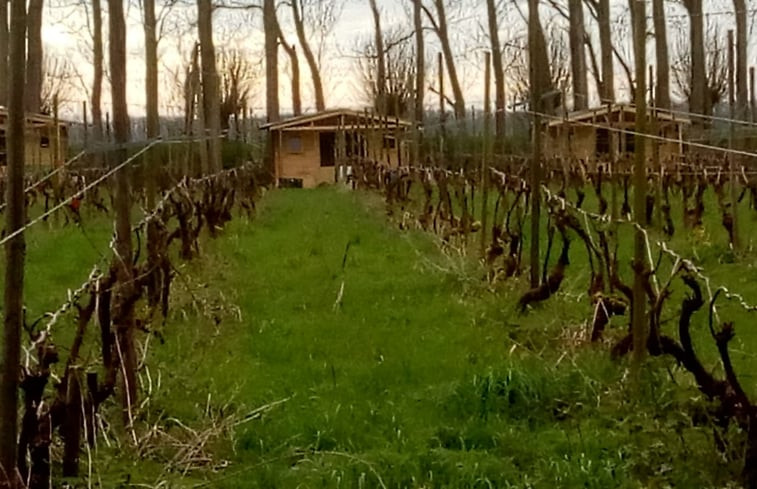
[[417, 377]]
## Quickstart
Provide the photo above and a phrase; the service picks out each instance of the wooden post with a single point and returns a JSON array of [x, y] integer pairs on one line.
[[485, 153], [752, 98], [56, 134], [654, 130], [732, 162], [72, 425], [442, 114], [638, 313], [86, 129]]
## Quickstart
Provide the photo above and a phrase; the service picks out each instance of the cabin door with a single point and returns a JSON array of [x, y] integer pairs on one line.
[[328, 142]]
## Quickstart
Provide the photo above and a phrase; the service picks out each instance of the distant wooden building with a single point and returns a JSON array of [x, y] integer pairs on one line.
[[591, 134], [46, 142], [309, 149]]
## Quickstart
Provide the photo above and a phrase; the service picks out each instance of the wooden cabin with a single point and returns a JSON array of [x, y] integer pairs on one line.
[[308, 150], [594, 133], [46, 142]]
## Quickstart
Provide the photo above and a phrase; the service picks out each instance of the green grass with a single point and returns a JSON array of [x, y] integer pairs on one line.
[[421, 376]]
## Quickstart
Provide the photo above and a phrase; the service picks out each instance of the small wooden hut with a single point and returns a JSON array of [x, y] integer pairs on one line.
[[309, 149], [46, 141], [594, 133]]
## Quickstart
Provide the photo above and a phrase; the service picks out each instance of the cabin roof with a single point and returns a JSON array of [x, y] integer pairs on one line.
[[34, 120], [589, 114], [314, 118]]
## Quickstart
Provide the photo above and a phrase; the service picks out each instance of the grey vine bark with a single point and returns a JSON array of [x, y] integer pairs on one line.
[[499, 74], [15, 250], [742, 92], [577, 35], [698, 100], [123, 315], [294, 64], [3, 51], [378, 39], [420, 80], [662, 92], [97, 65], [315, 71], [210, 87], [270, 28], [33, 91], [439, 25]]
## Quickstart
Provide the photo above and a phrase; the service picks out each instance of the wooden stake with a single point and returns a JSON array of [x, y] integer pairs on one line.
[[485, 152], [732, 163]]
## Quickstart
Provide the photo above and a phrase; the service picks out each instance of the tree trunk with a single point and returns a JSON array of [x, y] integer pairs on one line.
[[15, 250], [3, 52], [123, 315], [378, 37], [210, 87], [577, 36], [294, 62], [698, 103], [32, 95], [742, 93], [662, 98], [271, 61], [315, 71], [607, 93], [440, 26], [499, 75], [97, 64]]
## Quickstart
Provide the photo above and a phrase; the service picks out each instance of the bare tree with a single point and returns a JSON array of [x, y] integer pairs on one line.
[[58, 82], [271, 30], [420, 53], [600, 9], [577, 36], [716, 80], [395, 97], [97, 69], [34, 56], [14, 253], [662, 93], [237, 75], [440, 27], [3, 51], [499, 72], [558, 71], [697, 73], [742, 93], [380, 75], [310, 57], [210, 92], [294, 65]]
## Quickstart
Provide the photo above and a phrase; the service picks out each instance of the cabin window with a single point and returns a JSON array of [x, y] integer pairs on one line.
[[390, 142], [630, 142], [294, 144], [44, 142], [327, 142], [603, 141]]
